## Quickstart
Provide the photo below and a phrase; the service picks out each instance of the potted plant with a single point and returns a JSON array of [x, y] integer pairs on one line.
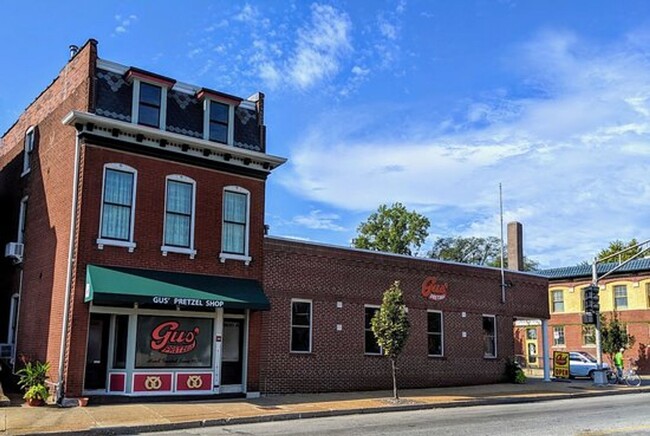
[[32, 381]]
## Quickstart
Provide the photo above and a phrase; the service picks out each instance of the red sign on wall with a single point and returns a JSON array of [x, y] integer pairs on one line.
[[434, 290], [169, 339]]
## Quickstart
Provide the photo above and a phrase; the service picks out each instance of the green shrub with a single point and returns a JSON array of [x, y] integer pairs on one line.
[[513, 373]]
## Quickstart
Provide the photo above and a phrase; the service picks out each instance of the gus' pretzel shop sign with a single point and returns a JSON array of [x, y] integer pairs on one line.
[[560, 364], [434, 290]]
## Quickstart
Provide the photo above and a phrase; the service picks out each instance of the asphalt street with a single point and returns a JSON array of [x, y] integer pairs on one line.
[[619, 415]]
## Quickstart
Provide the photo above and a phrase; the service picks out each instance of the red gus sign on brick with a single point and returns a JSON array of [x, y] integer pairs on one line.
[[434, 290]]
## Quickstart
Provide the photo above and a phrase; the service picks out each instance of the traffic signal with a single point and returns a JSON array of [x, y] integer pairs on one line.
[[592, 304]]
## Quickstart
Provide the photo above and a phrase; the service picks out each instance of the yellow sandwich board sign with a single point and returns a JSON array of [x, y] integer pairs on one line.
[[560, 364]]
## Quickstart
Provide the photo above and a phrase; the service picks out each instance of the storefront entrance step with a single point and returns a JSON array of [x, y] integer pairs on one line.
[[126, 399]]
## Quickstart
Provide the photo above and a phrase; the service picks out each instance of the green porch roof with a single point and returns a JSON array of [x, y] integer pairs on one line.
[[113, 285]]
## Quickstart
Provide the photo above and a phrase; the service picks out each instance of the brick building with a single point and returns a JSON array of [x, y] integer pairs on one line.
[[136, 261], [625, 291]]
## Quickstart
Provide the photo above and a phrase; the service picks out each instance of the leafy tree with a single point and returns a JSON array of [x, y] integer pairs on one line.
[[390, 325], [615, 247], [393, 229], [474, 250], [614, 335]]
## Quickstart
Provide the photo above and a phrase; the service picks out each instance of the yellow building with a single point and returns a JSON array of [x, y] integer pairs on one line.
[[625, 292]]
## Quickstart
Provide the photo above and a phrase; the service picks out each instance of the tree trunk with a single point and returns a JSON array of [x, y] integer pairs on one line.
[[395, 395]]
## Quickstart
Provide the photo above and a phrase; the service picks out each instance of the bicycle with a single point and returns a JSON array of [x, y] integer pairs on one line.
[[630, 377]]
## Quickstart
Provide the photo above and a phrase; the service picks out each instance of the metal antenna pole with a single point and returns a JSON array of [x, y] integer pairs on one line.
[[503, 279]]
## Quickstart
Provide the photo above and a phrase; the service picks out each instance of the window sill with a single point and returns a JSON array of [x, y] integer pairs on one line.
[[180, 250], [115, 243], [490, 357], [246, 259], [27, 171], [373, 354], [300, 353], [436, 356]]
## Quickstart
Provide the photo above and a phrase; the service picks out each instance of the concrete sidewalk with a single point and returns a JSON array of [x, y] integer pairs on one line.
[[139, 417]]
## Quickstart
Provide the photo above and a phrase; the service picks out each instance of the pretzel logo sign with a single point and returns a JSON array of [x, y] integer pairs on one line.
[[194, 382], [152, 383]]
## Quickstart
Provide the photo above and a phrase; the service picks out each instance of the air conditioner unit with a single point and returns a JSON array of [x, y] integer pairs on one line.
[[15, 250], [6, 351]]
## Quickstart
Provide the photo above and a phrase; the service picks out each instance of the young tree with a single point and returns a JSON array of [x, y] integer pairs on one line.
[[390, 326], [614, 335], [394, 230]]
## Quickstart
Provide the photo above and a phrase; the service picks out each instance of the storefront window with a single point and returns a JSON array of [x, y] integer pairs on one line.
[[121, 334], [173, 342]]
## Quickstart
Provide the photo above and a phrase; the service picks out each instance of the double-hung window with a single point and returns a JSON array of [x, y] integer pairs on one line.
[[219, 121], [620, 297], [557, 298], [149, 106], [371, 346], [22, 220], [179, 215], [235, 225], [30, 136], [435, 333], [118, 206], [489, 336], [558, 336], [588, 335], [301, 322]]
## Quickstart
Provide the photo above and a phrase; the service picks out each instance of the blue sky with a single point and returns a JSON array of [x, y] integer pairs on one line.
[[430, 103]]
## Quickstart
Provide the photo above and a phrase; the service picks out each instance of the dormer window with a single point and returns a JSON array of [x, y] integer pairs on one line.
[[218, 116], [219, 122], [149, 106]]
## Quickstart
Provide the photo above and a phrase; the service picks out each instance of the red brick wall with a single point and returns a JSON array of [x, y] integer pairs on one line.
[[148, 234], [49, 186], [337, 361]]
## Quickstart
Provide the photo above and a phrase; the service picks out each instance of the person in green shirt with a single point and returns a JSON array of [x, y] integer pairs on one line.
[[618, 362]]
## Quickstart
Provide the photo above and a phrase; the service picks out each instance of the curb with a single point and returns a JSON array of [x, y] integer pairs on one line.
[[136, 429]]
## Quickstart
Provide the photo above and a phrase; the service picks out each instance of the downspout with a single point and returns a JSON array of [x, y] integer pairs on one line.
[[60, 385]]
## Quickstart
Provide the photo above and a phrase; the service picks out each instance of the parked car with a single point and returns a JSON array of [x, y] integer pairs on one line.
[[583, 364]]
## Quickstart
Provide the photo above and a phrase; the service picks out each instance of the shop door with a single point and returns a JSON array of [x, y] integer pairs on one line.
[[531, 346], [97, 355], [232, 352]]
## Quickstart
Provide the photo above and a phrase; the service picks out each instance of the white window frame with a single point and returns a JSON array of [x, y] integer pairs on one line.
[[442, 333], [246, 258], [206, 119], [191, 251], [28, 148], [381, 350], [496, 334], [135, 103], [130, 244], [13, 319], [559, 328], [22, 220], [627, 301], [586, 327], [311, 325], [553, 301]]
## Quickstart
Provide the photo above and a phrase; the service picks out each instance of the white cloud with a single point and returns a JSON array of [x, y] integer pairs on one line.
[[319, 220], [320, 46], [124, 23], [573, 161]]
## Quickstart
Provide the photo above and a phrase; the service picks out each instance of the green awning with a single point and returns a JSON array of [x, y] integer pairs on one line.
[[114, 285]]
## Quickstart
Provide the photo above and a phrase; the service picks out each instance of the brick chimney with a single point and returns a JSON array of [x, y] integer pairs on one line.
[[515, 246]]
